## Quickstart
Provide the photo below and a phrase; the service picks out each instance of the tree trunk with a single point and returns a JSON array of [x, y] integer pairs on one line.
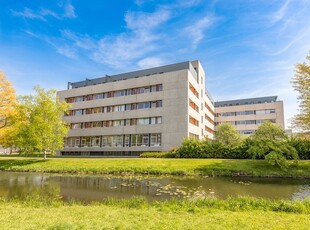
[[45, 155]]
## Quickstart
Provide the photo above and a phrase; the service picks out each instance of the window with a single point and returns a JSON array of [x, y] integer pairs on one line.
[[98, 96], [133, 121], [153, 120], [144, 105], [107, 123], [158, 120], [141, 105], [134, 91], [76, 125], [78, 112], [117, 141], [110, 94], [106, 141], [78, 99], [119, 93], [143, 121], [97, 124], [141, 90], [127, 141], [87, 125], [118, 108], [153, 88], [159, 104], [85, 142], [159, 87], [145, 140], [117, 123], [97, 110], [127, 107], [110, 109], [89, 111], [258, 112], [127, 122], [70, 100], [72, 142], [134, 140], [88, 97], [155, 139], [133, 106], [95, 141], [249, 112], [139, 138], [228, 114], [193, 121]]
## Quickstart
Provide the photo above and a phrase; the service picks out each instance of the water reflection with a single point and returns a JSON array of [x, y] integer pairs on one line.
[[96, 188]]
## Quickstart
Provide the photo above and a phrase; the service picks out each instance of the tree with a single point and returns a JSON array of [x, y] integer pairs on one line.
[[41, 127], [269, 142], [227, 135], [7, 100], [301, 83]]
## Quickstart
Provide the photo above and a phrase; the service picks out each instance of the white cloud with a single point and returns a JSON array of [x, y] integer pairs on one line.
[[150, 62], [145, 21], [58, 44], [28, 13], [81, 41], [280, 14], [69, 11], [66, 51], [47, 12], [196, 30], [68, 8], [121, 50]]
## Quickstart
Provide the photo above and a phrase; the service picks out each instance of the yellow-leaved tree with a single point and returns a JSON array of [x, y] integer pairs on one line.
[[7, 100], [301, 83]]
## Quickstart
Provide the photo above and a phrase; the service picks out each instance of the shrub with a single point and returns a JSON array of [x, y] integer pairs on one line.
[[157, 155], [302, 146], [270, 143], [191, 148]]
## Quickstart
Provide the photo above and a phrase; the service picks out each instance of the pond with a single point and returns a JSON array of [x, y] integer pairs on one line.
[[97, 188]]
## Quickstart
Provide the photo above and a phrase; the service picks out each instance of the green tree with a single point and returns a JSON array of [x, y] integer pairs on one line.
[[227, 135], [7, 100], [301, 83], [41, 127], [269, 142]]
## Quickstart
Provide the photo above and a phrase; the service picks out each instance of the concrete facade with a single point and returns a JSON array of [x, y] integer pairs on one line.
[[146, 110], [247, 114]]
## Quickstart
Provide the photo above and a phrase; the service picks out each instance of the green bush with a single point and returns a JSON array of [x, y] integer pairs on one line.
[[157, 155], [270, 143], [302, 146], [192, 148]]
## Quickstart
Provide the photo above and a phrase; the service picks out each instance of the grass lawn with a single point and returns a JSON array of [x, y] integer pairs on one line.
[[153, 166], [244, 213]]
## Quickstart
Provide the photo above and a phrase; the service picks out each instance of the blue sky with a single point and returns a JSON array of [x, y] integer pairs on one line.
[[248, 47]]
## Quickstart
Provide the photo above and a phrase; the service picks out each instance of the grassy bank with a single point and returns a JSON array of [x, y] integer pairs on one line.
[[153, 166], [236, 213]]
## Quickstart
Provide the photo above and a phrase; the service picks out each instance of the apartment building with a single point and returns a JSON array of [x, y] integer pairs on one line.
[[146, 110], [247, 114]]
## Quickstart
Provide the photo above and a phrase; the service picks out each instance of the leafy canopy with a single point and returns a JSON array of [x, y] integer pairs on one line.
[[227, 135], [7, 100], [269, 142], [39, 122], [301, 83]]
